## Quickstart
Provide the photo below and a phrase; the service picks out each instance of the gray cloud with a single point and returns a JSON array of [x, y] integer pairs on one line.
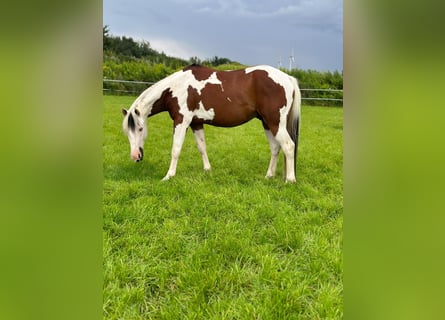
[[252, 32]]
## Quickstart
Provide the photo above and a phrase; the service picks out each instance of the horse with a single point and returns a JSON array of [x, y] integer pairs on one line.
[[197, 95]]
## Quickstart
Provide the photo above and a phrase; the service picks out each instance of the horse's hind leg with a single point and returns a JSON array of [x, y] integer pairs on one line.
[[288, 147], [274, 153], [201, 143]]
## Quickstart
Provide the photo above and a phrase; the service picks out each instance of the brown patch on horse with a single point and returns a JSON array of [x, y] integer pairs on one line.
[[168, 103], [193, 98], [200, 73], [234, 108], [271, 98], [261, 97]]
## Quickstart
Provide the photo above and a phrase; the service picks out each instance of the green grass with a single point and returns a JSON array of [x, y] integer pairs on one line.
[[228, 244]]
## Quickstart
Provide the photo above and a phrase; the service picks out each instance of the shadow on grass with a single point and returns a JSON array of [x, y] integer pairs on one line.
[[247, 171], [131, 171]]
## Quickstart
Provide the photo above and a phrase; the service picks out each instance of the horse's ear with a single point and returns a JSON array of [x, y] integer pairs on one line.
[[137, 112], [124, 112]]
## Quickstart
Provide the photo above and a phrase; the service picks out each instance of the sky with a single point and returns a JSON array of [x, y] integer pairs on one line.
[[251, 32]]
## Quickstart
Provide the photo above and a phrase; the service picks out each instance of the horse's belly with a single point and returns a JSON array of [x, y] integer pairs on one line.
[[231, 117]]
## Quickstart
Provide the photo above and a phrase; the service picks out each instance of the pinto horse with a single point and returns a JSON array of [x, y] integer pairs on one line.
[[198, 95]]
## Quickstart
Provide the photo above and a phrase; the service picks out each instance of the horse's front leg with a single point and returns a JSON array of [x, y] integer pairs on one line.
[[178, 140], [198, 131]]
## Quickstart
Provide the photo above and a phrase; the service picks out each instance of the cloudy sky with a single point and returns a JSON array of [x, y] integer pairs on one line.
[[248, 31]]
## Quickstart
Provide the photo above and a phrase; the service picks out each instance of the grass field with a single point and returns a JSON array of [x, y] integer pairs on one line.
[[228, 244]]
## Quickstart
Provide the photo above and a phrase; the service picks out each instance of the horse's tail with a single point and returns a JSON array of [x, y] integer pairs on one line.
[[293, 119]]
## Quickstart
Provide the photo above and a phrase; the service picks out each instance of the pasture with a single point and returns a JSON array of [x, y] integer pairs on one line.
[[227, 244]]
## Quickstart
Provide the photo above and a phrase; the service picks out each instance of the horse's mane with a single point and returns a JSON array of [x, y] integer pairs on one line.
[[193, 66]]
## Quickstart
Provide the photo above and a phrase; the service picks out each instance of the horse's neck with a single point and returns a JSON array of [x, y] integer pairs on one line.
[[150, 102]]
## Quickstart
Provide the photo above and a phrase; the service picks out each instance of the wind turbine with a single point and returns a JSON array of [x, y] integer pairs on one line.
[[291, 59], [279, 63]]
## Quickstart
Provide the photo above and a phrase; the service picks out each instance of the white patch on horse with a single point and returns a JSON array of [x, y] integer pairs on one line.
[[199, 85], [204, 114], [153, 93], [275, 74], [179, 90]]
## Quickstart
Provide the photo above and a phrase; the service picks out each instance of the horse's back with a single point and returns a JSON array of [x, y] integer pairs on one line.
[[238, 96]]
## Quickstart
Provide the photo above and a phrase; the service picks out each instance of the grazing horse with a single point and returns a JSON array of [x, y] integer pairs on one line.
[[198, 95]]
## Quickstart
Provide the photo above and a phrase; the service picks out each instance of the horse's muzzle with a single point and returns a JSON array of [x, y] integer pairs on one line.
[[137, 155], [141, 154]]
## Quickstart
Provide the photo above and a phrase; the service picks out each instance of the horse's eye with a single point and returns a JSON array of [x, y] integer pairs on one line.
[[140, 129]]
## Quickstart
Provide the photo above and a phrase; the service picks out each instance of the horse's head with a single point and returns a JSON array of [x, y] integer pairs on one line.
[[136, 131]]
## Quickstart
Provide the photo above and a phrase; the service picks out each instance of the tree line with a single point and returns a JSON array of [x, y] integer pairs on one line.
[[127, 59]]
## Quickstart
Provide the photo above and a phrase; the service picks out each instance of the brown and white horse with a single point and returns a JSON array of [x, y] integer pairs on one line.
[[198, 95]]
